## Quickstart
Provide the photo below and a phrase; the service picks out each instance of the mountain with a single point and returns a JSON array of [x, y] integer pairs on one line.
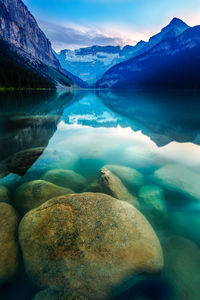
[[21, 70], [91, 63], [26, 57], [173, 29], [172, 63], [18, 27]]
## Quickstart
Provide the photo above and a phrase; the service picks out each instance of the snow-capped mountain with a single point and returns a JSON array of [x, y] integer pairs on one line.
[[91, 63], [172, 63]]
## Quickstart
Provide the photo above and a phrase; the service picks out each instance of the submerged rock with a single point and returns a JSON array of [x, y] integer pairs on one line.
[[152, 203], [20, 162], [53, 159], [186, 223], [110, 184], [34, 193], [129, 176], [87, 243], [51, 294], [4, 194], [66, 178], [8, 244], [182, 265], [179, 179]]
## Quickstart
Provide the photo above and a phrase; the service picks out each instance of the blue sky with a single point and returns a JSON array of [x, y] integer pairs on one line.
[[79, 23]]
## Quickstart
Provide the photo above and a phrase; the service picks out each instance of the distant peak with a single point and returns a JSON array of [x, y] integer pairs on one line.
[[177, 21], [141, 42]]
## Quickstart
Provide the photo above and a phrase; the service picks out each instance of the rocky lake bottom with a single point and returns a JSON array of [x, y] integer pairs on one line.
[[100, 195]]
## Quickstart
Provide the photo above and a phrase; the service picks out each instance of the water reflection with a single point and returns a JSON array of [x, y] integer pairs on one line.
[[164, 117], [148, 141], [27, 122]]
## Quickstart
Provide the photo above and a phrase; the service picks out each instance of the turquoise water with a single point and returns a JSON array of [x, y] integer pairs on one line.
[[156, 134]]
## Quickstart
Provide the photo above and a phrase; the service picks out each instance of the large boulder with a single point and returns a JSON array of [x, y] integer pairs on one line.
[[110, 184], [66, 178], [54, 294], [182, 265], [152, 203], [129, 176], [87, 243], [4, 194], [180, 179], [8, 244], [34, 193]]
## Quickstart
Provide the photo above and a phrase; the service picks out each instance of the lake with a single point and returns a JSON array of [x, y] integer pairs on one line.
[[148, 141]]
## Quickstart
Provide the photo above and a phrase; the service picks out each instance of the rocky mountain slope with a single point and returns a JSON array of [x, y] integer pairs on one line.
[[21, 70], [91, 63], [172, 63], [18, 27], [173, 29], [26, 57]]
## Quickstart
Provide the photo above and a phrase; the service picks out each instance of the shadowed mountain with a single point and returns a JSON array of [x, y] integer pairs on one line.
[[172, 63], [21, 70]]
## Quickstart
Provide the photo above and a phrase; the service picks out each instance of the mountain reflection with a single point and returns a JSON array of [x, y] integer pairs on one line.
[[27, 122], [164, 117]]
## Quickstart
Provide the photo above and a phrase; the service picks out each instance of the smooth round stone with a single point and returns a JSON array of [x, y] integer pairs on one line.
[[87, 243], [129, 176], [4, 194], [108, 183], [8, 244], [152, 203], [34, 193], [66, 178]]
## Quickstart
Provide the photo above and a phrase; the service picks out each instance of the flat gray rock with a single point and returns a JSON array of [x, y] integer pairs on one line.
[[178, 178]]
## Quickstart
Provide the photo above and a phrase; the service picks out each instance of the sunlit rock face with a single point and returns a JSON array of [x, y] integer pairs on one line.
[[26, 57], [19, 27]]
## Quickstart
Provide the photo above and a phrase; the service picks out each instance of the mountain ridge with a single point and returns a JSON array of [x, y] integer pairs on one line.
[[90, 63], [157, 65]]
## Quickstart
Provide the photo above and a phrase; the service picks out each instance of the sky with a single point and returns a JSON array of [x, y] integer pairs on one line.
[[73, 24]]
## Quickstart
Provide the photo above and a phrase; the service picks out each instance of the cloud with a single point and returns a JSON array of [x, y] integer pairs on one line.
[[75, 36]]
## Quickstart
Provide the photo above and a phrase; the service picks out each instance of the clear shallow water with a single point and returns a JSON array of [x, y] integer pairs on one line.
[[145, 131]]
